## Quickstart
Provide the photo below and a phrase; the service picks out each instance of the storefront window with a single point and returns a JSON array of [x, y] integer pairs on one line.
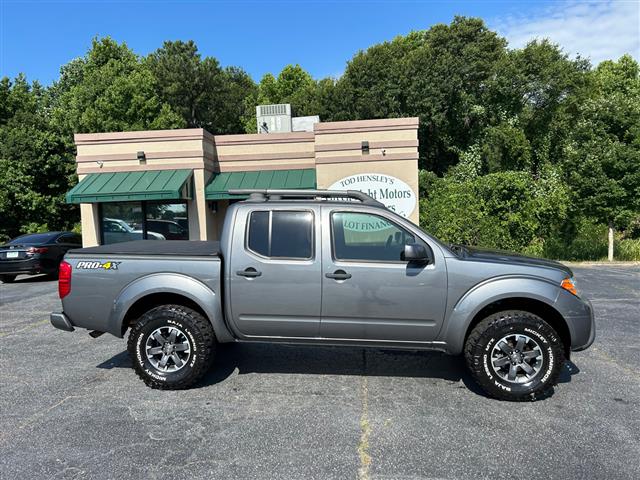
[[121, 222], [126, 221], [168, 220]]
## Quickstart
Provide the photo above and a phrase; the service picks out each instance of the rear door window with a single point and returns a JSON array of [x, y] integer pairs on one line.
[[281, 234]]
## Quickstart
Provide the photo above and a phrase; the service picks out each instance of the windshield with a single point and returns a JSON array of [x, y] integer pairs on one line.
[[125, 225], [116, 225], [33, 238]]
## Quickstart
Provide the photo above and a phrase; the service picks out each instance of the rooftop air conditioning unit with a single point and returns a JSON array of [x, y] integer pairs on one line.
[[274, 118]]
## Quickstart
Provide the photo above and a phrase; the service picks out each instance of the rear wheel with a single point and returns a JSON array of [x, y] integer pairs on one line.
[[7, 278], [172, 347], [515, 355]]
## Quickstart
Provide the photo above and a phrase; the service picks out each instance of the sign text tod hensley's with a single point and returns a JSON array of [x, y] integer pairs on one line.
[[393, 192]]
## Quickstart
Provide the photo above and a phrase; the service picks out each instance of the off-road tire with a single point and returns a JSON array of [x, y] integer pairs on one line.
[[199, 333], [7, 278], [482, 339]]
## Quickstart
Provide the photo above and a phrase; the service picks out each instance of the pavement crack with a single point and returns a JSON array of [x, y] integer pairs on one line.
[[365, 426], [38, 416], [28, 327]]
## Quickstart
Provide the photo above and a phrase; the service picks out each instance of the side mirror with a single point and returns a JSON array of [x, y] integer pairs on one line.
[[414, 252]]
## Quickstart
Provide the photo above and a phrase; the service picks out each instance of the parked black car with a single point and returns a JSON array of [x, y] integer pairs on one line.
[[169, 229], [35, 253]]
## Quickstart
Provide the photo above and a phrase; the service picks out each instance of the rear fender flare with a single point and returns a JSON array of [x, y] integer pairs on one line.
[[488, 292], [208, 300]]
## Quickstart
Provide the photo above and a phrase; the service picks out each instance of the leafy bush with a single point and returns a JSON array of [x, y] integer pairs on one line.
[[585, 241], [628, 250], [505, 210]]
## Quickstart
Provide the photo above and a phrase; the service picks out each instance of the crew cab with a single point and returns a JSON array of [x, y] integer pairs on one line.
[[330, 268]]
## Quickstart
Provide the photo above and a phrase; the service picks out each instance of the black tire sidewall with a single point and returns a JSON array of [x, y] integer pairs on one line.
[[535, 328], [7, 278], [167, 318]]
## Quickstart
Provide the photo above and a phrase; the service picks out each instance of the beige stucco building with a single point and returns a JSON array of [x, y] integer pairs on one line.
[[174, 184]]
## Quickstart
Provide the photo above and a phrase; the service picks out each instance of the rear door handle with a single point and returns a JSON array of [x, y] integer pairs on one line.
[[338, 275], [249, 272]]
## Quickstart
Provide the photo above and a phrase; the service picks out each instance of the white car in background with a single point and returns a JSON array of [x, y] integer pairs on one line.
[[116, 230]]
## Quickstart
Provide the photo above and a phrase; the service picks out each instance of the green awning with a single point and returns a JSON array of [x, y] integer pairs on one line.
[[218, 188], [132, 186]]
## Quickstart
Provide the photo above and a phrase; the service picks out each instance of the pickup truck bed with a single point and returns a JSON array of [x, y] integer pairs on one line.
[[109, 281]]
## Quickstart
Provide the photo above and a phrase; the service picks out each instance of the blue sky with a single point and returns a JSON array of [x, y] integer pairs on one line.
[[37, 37]]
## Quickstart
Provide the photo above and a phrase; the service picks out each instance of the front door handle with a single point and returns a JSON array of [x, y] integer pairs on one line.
[[249, 272], [338, 275]]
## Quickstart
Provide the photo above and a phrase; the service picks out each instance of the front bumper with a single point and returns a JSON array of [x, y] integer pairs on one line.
[[586, 328], [61, 321]]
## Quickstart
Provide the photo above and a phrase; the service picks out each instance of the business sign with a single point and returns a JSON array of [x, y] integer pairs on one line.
[[393, 192]]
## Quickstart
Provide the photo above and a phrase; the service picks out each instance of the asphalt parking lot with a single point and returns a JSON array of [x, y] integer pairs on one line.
[[71, 406]]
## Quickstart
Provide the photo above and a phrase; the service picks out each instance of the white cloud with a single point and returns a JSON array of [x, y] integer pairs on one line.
[[599, 30]]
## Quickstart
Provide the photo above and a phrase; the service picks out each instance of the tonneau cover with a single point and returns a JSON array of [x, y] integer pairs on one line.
[[154, 247]]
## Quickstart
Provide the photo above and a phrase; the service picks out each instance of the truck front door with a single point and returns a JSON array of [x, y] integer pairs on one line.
[[275, 272], [368, 291]]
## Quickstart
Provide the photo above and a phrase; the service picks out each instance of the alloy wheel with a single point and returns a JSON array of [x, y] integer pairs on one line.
[[517, 358], [168, 349]]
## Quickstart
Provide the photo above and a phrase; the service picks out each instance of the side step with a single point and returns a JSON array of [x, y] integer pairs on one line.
[[95, 334]]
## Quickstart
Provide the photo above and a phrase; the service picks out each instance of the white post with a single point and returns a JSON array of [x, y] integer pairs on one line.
[[610, 253]]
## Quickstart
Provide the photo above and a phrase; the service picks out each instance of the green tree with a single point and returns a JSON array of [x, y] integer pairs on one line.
[[187, 82], [35, 168], [204, 94], [110, 90], [238, 86], [506, 147], [539, 88], [440, 75], [295, 86], [447, 78], [603, 150], [372, 84]]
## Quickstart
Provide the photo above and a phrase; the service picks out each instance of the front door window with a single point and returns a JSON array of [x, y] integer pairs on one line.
[[367, 237]]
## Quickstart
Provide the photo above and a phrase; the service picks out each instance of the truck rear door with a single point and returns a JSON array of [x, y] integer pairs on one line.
[[275, 272]]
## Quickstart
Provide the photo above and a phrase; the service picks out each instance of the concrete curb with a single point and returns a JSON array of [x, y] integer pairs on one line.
[[602, 263]]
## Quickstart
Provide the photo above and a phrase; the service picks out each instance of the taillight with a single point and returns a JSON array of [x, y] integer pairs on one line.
[[64, 279], [34, 250]]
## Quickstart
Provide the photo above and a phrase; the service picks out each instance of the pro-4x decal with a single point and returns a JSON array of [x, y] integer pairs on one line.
[[109, 265]]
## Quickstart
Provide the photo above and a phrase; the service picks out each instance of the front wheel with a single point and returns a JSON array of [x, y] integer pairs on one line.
[[515, 355], [171, 347]]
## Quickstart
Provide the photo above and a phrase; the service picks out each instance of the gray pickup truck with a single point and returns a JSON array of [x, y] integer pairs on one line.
[[329, 268]]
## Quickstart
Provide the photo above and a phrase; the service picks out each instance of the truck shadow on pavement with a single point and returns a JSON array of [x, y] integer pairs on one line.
[[244, 358], [42, 277]]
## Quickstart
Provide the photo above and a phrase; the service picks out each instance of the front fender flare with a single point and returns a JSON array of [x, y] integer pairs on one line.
[[208, 300], [488, 292]]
